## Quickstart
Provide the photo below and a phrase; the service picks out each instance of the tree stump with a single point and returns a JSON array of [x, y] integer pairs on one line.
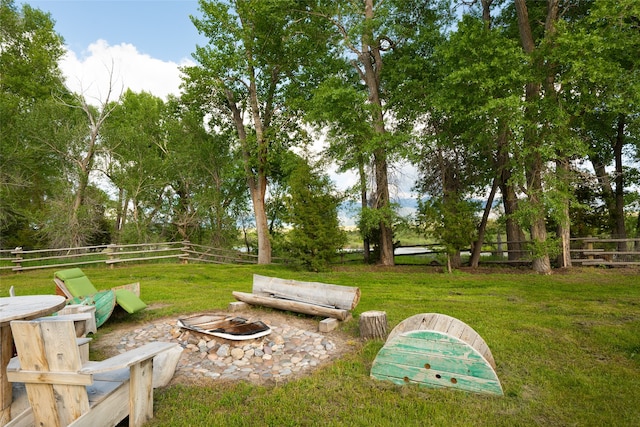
[[373, 324]]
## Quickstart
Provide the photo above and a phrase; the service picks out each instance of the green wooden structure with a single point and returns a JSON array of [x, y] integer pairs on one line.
[[435, 350], [105, 302]]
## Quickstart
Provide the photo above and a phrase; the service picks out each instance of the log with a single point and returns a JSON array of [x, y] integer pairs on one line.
[[324, 294], [373, 325], [290, 305]]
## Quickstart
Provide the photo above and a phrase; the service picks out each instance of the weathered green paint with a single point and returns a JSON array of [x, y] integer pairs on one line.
[[435, 359], [105, 302]]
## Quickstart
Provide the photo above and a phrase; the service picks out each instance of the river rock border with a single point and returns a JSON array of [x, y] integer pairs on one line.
[[294, 347]]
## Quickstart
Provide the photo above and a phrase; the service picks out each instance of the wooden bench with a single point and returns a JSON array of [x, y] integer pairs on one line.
[[314, 298]]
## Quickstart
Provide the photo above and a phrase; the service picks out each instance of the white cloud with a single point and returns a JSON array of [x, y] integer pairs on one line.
[[122, 67]]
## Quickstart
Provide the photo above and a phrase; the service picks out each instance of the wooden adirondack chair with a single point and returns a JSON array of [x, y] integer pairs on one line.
[[64, 391]]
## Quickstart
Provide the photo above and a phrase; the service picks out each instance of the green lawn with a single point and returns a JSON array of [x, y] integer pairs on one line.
[[567, 346]]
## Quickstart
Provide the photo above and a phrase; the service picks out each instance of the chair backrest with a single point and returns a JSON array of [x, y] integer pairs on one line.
[[57, 392], [76, 282]]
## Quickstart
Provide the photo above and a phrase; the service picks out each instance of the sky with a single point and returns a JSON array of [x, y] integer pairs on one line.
[[142, 43]]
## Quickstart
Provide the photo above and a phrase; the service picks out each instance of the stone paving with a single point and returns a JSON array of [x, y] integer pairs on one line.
[[294, 347]]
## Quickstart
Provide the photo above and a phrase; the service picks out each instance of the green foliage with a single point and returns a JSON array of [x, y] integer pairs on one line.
[[315, 236], [30, 172], [451, 222]]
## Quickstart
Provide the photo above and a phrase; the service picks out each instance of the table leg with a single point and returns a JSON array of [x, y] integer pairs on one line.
[[6, 353]]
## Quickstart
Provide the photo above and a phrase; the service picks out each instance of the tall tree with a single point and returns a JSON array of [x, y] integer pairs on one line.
[[256, 51], [368, 31], [29, 78], [603, 95]]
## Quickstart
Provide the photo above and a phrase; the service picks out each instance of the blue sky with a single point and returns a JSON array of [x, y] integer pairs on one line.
[[159, 28]]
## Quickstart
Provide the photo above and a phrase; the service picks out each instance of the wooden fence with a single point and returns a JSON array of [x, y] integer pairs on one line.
[[587, 251], [184, 252], [611, 252]]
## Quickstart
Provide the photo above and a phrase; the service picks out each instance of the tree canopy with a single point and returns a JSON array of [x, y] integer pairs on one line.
[[528, 111]]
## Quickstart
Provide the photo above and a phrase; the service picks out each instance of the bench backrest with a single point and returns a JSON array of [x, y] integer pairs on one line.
[[324, 294]]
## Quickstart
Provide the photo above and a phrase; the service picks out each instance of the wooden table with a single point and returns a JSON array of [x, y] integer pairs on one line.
[[19, 308]]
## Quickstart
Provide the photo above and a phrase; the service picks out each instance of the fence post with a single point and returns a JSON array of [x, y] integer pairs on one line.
[[111, 254], [588, 245], [18, 258], [184, 258]]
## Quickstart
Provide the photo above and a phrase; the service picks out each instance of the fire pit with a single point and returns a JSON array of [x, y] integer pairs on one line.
[[293, 348], [231, 328]]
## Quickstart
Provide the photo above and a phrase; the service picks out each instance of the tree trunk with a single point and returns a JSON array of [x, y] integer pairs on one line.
[[515, 235], [606, 189], [564, 223], [257, 182], [477, 245], [541, 261], [373, 325], [620, 231], [534, 162], [371, 60], [364, 204], [382, 203]]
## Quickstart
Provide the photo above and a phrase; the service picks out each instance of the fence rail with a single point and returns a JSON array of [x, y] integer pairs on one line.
[[592, 251], [587, 251], [184, 252]]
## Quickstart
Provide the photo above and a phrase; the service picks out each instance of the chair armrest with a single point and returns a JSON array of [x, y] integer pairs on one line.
[[127, 359]]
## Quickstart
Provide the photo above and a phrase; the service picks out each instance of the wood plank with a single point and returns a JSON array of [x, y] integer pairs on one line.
[[6, 351], [127, 359], [112, 408], [435, 359], [141, 393], [299, 307], [337, 296], [39, 377], [443, 323]]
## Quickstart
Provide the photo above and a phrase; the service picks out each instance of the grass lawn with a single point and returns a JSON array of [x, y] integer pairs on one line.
[[567, 346]]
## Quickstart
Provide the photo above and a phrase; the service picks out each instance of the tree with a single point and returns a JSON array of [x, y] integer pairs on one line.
[[368, 31], [602, 93], [473, 95], [29, 77], [256, 51], [338, 109], [135, 153], [315, 236]]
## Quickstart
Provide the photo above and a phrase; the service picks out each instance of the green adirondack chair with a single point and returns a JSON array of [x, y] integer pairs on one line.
[[78, 289]]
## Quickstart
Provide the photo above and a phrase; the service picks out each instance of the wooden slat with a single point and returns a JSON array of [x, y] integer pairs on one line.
[[141, 393], [127, 359], [446, 324], [435, 359], [38, 377]]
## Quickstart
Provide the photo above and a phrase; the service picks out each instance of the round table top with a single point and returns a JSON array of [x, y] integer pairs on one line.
[[29, 307]]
